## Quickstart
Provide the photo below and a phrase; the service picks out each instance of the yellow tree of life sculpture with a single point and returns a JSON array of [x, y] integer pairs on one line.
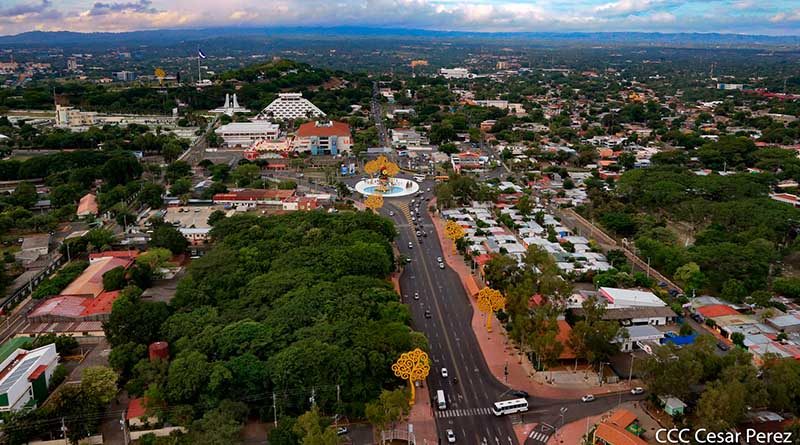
[[412, 366], [490, 301]]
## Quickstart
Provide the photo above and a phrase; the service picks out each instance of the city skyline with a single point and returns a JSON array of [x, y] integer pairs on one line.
[[719, 16]]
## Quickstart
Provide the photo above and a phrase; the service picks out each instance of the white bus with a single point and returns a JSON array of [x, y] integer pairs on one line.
[[510, 407], [440, 400]]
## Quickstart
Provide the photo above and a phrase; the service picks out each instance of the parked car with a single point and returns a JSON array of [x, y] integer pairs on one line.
[[638, 390], [587, 398], [342, 430]]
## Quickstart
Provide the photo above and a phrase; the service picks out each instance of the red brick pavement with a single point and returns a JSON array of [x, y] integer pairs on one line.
[[495, 345]]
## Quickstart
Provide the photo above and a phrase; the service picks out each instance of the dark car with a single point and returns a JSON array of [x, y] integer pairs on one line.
[[427, 314], [723, 347], [519, 393]]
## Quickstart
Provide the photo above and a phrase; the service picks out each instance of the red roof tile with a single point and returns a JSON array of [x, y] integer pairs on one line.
[[716, 310], [335, 128], [136, 408], [37, 372]]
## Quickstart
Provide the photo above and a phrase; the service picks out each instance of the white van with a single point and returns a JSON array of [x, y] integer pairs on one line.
[[440, 400]]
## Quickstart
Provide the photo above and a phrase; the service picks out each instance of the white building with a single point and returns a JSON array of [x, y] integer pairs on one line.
[[230, 107], [246, 133], [456, 73], [406, 137], [70, 117], [290, 106], [497, 103], [26, 377]]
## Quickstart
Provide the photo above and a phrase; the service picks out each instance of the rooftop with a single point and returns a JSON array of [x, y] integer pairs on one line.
[[323, 128]]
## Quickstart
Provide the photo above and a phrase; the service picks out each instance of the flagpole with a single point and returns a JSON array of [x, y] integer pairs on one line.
[[199, 76]]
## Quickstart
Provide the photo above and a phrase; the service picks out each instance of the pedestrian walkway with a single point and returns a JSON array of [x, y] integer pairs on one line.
[[466, 412], [539, 436], [504, 360], [421, 416]]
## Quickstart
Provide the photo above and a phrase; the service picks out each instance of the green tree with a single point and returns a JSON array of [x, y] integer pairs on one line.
[[99, 383], [24, 195], [114, 279], [313, 431], [169, 238], [391, 407]]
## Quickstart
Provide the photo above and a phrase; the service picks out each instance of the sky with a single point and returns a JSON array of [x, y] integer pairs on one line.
[[772, 17]]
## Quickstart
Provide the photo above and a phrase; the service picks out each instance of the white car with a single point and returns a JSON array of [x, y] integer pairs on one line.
[[391, 213], [441, 265], [451, 436], [416, 295], [444, 373], [410, 245], [438, 259], [638, 390], [587, 398]]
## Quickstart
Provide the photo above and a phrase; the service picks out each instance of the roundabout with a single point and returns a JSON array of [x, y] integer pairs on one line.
[[383, 182], [393, 188]]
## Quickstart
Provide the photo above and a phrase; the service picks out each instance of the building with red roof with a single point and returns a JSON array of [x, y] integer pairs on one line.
[[125, 254], [616, 430], [90, 282], [87, 206], [74, 308], [716, 310], [252, 197], [324, 138], [136, 414]]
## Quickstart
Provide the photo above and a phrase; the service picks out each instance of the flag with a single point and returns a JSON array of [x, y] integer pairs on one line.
[[200, 53]]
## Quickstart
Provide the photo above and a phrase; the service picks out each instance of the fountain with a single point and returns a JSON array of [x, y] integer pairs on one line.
[[383, 181]]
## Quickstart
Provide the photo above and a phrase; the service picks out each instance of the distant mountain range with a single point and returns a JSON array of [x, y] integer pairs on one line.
[[171, 36]]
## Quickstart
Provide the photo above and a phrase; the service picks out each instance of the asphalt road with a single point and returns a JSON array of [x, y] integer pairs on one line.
[[452, 341], [453, 346]]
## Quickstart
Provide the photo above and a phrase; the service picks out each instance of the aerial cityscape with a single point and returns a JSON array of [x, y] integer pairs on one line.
[[490, 222]]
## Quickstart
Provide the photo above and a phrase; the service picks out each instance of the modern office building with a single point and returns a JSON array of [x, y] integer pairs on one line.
[[290, 106], [455, 73], [244, 134], [25, 377], [324, 138], [70, 117]]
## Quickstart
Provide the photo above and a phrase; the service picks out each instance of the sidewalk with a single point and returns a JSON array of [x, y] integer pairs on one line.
[[498, 352], [572, 433], [421, 416]]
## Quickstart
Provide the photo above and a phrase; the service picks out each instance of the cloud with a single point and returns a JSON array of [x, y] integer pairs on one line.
[[142, 6], [745, 16], [783, 17]]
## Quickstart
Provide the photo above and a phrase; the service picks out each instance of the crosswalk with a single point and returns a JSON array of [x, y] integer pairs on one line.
[[539, 436], [403, 206], [466, 412]]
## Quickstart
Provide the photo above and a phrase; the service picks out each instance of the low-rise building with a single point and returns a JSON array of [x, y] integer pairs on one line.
[[618, 429], [87, 207], [245, 134], [251, 198], [33, 247], [25, 377], [323, 138], [71, 117]]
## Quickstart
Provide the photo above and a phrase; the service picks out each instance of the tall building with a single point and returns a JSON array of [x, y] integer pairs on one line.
[[125, 76], [72, 64], [290, 106], [245, 134], [324, 138]]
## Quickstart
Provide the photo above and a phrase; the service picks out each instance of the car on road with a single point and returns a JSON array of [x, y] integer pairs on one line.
[[438, 259], [391, 213], [342, 430], [519, 393], [444, 373], [451, 436], [638, 390], [587, 398], [427, 314], [416, 295], [441, 265], [410, 246]]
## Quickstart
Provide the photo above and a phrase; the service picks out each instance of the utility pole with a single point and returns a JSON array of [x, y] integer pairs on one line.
[[64, 431], [124, 426], [274, 410], [313, 398]]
